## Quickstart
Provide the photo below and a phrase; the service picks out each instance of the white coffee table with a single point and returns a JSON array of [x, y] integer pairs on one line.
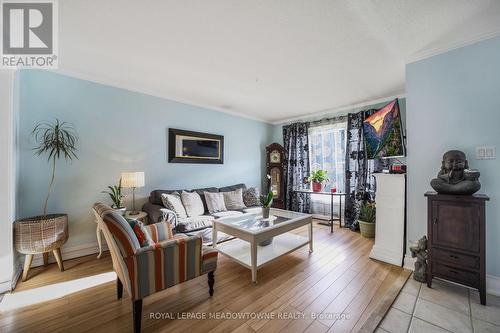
[[250, 229]]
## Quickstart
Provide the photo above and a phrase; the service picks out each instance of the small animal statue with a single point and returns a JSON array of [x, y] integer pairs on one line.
[[419, 251]]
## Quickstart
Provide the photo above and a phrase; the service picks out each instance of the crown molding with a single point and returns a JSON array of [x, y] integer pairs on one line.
[[428, 53], [115, 83], [326, 112]]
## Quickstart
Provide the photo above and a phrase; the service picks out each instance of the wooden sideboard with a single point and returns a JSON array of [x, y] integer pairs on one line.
[[456, 239]]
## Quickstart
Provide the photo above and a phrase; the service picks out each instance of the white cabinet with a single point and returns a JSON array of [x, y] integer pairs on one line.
[[390, 222]]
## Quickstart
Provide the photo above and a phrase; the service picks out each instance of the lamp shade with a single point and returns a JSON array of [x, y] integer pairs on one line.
[[132, 179]]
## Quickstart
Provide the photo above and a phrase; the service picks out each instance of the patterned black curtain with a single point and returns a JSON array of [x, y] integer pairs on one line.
[[296, 166], [360, 182]]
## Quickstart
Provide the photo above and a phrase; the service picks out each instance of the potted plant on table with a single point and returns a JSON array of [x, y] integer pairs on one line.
[[266, 201], [318, 178], [366, 219], [115, 193]]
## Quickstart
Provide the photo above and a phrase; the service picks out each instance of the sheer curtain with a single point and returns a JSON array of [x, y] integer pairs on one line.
[[327, 144]]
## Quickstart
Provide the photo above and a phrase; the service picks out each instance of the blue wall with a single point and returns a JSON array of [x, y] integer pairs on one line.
[[119, 131], [453, 102]]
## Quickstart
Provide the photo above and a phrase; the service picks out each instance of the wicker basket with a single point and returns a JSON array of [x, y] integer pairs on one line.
[[367, 229], [40, 234]]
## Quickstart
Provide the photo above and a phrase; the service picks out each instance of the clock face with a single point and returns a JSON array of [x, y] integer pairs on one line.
[[275, 157]]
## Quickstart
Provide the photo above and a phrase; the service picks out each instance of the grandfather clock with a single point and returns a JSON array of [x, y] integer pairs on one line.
[[274, 156]]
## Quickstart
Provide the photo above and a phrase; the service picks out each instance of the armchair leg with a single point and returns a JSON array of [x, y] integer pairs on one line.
[[119, 288], [211, 281], [137, 310]]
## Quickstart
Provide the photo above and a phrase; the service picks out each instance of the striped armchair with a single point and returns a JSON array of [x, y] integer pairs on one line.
[[170, 260]]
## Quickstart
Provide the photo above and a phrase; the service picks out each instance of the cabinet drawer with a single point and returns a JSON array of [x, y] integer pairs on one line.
[[454, 258], [454, 274]]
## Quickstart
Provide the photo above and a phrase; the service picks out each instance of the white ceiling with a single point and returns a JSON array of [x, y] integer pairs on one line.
[[265, 59]]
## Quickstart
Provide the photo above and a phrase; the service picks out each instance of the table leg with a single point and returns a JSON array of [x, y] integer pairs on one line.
[[253, 246], [310, 237], [331, 213], [99, 241], [340, 211]]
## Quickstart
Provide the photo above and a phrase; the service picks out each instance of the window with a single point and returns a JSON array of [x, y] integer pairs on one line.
[[327, 144]]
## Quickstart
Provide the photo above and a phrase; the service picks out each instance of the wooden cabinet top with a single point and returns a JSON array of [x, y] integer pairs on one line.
[[474, 197]]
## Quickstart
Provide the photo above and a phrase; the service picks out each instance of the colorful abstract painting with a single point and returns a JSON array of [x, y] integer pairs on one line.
[[383, 133]]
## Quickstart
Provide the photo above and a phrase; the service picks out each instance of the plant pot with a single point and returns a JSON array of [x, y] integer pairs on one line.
[[39, 234], [367, 229], [265, 212], [266, 224], [121, 211], [266, 242], [317, 187]]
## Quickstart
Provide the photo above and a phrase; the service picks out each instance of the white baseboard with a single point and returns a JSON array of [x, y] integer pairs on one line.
[[5, 287], [386, 255], [71, 252], [492, 282], [493, 285], [409, 262]]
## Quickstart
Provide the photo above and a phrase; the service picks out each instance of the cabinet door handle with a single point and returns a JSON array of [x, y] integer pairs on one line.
[[453, 256], [435, 220]]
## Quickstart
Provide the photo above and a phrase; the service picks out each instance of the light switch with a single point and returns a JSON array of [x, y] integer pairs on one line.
[[486, 153]]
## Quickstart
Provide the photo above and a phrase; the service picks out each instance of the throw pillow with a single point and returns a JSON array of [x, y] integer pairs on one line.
[[234, 199], [251, 197], [173, 202], [141, 233], [215, 202], [192, 203]]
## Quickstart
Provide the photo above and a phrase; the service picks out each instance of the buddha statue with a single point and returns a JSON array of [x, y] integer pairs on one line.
[[455, 176]]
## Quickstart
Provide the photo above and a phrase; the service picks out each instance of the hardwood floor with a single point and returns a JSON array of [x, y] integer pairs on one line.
[[337, 288]]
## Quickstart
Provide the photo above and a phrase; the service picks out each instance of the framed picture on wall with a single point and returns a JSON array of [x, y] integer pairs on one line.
[[195, 147]]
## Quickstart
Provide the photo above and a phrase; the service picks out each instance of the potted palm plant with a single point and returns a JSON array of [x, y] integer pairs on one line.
[[47, 232], [318, 178], [57, 140], [115, 194], [366, 219]]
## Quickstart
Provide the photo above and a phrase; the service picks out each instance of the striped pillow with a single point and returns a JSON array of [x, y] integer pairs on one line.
[[174, 203]]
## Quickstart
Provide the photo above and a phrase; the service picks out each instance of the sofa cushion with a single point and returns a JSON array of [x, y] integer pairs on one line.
[[253, 210], [201, 192], [227, 213], [234, 199], [174, 203], [206, 236], [232, 188], [215, 202], [192, 203], [251, 197], [189, 224], [155, 196]]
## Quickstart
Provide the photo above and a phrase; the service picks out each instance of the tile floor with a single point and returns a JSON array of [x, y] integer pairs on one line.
[[444, 308]]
